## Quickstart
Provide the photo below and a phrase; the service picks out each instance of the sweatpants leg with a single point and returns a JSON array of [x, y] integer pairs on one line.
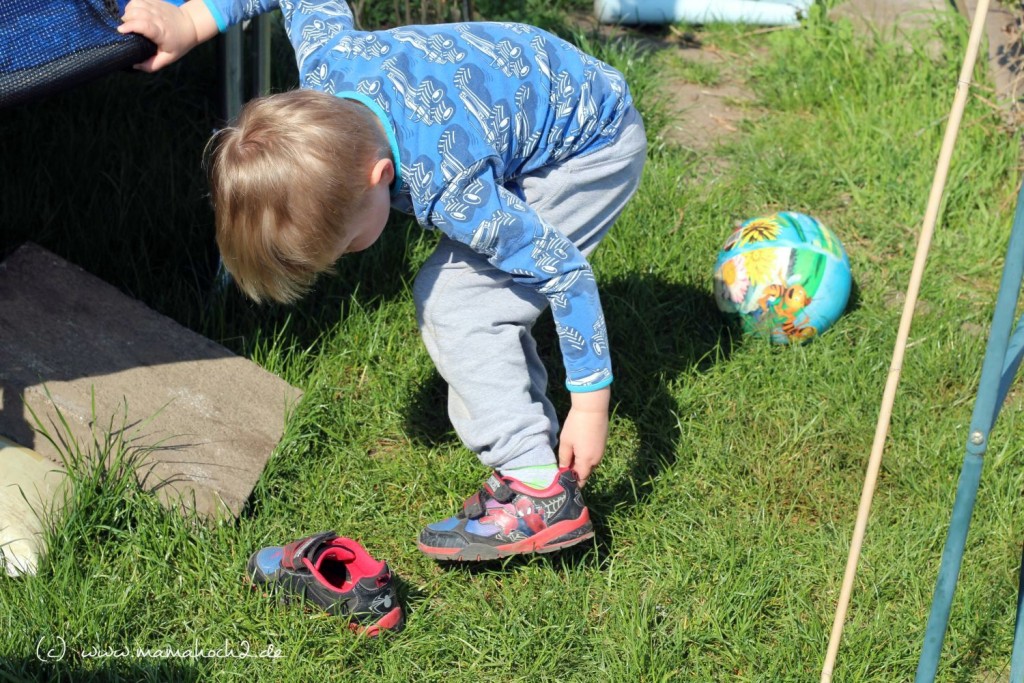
[[477, 322]]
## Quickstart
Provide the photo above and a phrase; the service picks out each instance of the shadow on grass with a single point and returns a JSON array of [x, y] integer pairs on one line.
[[364, 280], [582, 555], [991, 625], [854, 301], [664, 332], [660, 332], [56, 662]]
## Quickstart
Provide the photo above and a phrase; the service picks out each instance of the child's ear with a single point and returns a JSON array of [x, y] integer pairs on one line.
[[383, 172]]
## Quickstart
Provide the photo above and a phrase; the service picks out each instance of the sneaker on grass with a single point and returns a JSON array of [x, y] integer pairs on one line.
[[507, 517], [336, 574]]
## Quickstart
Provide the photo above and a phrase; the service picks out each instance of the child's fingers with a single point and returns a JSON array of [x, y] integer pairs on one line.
[[564, 454], [153, 63], [141, 26], [141, 17], [149, 66], [129, 27], [159, 61], [583, 470], [582, 473], [584, 463], [138, 5], [567, 458], [156, 62], [136, 11]]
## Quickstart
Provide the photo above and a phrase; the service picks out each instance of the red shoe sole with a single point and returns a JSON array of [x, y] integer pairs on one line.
[[390, 621], [547, 541]]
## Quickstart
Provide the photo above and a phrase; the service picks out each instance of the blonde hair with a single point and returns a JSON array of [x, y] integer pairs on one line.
[[284, 178]]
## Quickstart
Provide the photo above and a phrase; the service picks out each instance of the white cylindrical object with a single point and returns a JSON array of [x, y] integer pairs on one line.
[[779, 13], [802, 5]]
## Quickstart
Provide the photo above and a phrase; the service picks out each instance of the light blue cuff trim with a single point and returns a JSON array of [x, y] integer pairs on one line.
[[582, 389], [388, 128], [222, 23]]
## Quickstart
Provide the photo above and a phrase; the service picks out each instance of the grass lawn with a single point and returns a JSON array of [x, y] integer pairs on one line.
[[728, 493]]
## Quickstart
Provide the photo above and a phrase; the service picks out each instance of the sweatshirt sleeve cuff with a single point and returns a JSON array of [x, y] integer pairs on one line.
[[218, 16], [584, 388]]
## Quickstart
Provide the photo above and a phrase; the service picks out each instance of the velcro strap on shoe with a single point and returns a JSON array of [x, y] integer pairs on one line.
[[498, 489], [291, 557], [474, 507]]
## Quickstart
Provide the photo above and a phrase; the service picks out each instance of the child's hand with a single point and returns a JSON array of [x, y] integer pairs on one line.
[[175, 30], [584, 433]]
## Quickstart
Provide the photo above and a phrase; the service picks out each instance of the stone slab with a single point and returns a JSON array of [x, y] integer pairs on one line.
[[889, 15], [205, 419], [1003, 33], [30, 492]]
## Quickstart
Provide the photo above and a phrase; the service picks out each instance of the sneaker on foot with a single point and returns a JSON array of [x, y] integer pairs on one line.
[[335, 573], [506, 517]]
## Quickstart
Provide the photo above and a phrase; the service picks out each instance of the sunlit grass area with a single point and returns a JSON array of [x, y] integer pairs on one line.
[[726, 500]]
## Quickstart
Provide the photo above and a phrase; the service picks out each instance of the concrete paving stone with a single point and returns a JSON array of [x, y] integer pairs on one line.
[[206, 420], [1003, 29], [887, 15]]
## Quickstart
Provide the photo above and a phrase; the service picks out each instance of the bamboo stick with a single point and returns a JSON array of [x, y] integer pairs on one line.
[[913, 288]]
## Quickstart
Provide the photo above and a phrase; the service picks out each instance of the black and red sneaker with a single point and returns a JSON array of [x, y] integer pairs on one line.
[[338, 575], [506, 517]]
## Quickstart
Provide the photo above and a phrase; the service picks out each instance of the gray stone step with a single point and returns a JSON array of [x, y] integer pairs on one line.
[[205, 419]]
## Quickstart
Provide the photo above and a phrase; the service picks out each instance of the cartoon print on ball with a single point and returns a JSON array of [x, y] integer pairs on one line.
[[784, 276]]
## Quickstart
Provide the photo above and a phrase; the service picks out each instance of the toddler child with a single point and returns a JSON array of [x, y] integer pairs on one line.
[[518, 148]]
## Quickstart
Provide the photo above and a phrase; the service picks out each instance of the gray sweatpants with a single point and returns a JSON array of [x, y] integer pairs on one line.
[[476, 321]]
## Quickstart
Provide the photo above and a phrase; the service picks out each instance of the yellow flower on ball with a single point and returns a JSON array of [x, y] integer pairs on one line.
[[766, 266]]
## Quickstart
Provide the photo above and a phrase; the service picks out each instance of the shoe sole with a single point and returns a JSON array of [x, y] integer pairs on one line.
[[392, 621], [556, 537]]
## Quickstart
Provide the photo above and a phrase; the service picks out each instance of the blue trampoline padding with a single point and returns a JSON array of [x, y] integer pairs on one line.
[[50, 45]]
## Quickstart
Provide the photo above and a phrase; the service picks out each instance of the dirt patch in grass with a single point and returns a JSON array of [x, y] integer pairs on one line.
[[705, 93], [702, 114]]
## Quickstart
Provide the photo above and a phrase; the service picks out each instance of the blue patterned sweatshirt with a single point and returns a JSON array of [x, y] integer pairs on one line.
[[469, 108]]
